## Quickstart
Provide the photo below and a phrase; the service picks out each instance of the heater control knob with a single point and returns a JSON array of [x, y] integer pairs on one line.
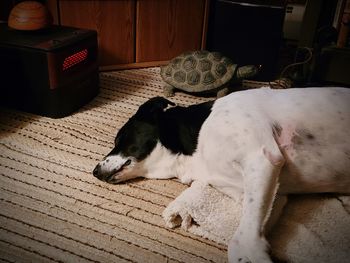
[[29, 15]]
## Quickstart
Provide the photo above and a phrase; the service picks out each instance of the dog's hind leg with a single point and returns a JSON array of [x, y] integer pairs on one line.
[[261, 170], [278, 205]]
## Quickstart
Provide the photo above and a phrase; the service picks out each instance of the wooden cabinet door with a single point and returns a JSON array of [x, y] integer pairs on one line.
[[114, 22], [165, 28]]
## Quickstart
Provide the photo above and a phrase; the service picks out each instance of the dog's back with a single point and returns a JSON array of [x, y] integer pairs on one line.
[[311, 127]]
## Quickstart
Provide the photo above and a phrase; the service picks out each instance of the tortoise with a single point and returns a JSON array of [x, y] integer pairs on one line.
[[203, 72]]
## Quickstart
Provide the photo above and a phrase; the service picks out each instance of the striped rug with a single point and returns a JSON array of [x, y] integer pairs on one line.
[[53, 209]]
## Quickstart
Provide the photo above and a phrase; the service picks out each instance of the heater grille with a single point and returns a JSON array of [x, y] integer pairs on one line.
[[74, 59]]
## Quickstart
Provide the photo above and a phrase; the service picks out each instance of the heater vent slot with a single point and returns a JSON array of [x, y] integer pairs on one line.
[[74, 59]]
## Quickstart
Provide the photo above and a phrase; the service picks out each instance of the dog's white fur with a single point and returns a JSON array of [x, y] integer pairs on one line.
[[238, 152], [264, 143]]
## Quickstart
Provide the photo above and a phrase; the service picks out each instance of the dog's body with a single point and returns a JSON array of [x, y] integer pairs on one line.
[[257, 142]]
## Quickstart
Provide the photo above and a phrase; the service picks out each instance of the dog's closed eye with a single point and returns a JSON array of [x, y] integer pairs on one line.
[[127, 162]]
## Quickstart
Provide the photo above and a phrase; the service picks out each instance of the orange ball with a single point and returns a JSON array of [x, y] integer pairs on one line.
[[29, 15]]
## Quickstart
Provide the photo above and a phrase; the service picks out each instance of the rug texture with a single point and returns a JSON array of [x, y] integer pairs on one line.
[[311, 228], [52, 208]]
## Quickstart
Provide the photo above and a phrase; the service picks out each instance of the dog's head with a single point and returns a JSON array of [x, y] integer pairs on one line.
[[133, 143]]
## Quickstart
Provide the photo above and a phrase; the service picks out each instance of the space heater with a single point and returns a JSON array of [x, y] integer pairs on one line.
[[50, 72]]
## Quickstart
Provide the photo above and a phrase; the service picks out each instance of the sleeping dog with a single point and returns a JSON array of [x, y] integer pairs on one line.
[[261, 143]]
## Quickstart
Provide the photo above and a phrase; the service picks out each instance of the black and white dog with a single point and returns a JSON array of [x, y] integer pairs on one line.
[[263, 143]]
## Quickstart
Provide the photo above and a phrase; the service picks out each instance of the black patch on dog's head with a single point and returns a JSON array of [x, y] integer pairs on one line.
[[136, 139], [139, 135], [179, 127], [150, 110]]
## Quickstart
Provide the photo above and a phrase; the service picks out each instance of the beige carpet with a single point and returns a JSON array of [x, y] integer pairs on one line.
[[53, 209]]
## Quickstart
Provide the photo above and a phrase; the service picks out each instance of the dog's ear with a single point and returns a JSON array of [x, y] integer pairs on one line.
[[153, 107]]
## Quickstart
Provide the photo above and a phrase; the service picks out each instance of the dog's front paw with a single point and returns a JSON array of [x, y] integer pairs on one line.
[[186, 179], [174, 217], [241, 251]]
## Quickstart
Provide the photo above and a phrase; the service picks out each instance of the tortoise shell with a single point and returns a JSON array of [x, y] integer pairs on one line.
[[198, 71]]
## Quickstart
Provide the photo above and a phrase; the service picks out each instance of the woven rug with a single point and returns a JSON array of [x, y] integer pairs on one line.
[[54, 210]]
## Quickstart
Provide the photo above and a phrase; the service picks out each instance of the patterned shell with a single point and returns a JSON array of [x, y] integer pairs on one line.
[[198, 71]]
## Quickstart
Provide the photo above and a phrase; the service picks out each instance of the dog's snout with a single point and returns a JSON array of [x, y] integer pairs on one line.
[[96, 170]]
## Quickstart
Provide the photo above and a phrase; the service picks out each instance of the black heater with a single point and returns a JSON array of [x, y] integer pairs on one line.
[[248, 32], [50, 72]]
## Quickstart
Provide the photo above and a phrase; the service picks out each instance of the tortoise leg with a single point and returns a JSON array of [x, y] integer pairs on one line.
[[222, 92], [168, 91]]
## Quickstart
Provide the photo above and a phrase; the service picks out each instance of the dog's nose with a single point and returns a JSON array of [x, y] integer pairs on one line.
[[96, 170]]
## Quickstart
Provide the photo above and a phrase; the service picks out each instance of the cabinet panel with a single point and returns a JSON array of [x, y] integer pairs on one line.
[[113, 20], [52, 5], [168, 27]]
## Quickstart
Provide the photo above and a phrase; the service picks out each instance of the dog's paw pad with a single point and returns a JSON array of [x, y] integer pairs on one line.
[[171, 219]]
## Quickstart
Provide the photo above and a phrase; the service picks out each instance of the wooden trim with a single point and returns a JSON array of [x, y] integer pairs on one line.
[[137, 34], [52, 5], [205, 24], [133, 65]]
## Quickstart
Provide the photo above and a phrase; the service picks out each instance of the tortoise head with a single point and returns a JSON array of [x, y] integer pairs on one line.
[[247, 71]]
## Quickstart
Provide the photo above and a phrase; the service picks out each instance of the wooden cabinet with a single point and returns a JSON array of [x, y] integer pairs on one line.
[[114, 22], [136, 33], [166, 28]]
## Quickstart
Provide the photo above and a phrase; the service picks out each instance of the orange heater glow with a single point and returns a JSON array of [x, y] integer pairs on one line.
[[75, 59]]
